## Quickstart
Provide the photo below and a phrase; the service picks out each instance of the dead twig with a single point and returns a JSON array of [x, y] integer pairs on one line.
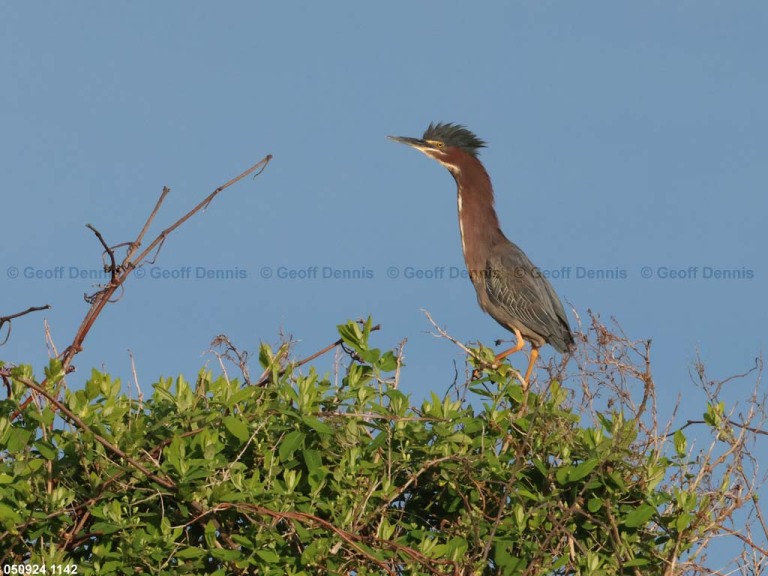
[[7, 319], [112, 268], [130, 262], [266, 378], [119, 273]]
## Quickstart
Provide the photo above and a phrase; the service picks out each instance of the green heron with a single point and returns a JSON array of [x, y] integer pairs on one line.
[[509, 287]]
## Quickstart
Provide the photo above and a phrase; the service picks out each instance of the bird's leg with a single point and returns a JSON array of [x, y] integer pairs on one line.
[[531, 364], [516, 348]]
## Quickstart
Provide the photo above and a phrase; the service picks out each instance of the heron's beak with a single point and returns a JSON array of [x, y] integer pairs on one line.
[[415, 142]]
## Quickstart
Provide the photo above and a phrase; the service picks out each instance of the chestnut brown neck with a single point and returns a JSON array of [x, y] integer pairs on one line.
[[478, 222]]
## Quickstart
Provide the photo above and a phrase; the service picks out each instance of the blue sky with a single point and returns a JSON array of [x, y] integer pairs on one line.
[[628, 137]]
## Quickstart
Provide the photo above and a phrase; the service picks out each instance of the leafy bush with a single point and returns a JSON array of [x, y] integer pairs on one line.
[[300, 475]]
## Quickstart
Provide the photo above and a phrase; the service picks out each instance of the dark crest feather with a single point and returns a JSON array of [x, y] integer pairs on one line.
[[454, 135]]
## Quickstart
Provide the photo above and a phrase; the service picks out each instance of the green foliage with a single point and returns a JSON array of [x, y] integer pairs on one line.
[[303, 476]]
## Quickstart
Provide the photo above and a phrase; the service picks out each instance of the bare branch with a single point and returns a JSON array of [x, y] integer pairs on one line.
[[7, 319], [130, 263], [266, 377], [112, 268], [119, 274], [137, 243]]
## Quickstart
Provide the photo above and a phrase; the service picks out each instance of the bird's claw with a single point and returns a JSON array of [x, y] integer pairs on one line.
[[477, 373]]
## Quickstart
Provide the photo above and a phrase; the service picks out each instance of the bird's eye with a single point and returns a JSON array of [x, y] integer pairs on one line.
[[439, 144]]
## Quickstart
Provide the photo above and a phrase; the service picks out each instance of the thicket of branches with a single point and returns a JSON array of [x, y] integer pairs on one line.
[[335, 472]]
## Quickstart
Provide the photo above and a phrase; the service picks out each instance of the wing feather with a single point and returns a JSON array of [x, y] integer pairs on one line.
[[515, 285]]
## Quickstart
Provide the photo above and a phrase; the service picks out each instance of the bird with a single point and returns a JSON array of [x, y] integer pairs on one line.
[[509, 287]]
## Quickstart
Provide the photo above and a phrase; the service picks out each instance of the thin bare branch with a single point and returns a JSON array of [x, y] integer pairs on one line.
[[140, 238], [119, 274], [266, 377], [129, 264], [258, 168], [112, 268], [7, 319]]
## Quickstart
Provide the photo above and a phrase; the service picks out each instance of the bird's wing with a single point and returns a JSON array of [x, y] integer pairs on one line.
[[516, 285]]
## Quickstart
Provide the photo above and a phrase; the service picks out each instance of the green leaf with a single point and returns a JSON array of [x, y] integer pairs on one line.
[[639, 516], [93, 385], [683, 521], [46, 449], [190, 552], [584, 469], [568, 474], [351, 334], [8, 513], [268, 556], [313, 460], [105, 527], [714, 414], [290, 444], [236, 427], [54, 371], [528, 494], [680, 443], [594, 504], [18, 439], [266, 356], [316, 424], [241, 395], [226, 555], [210, 534], [388, 362], [370, 356]]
